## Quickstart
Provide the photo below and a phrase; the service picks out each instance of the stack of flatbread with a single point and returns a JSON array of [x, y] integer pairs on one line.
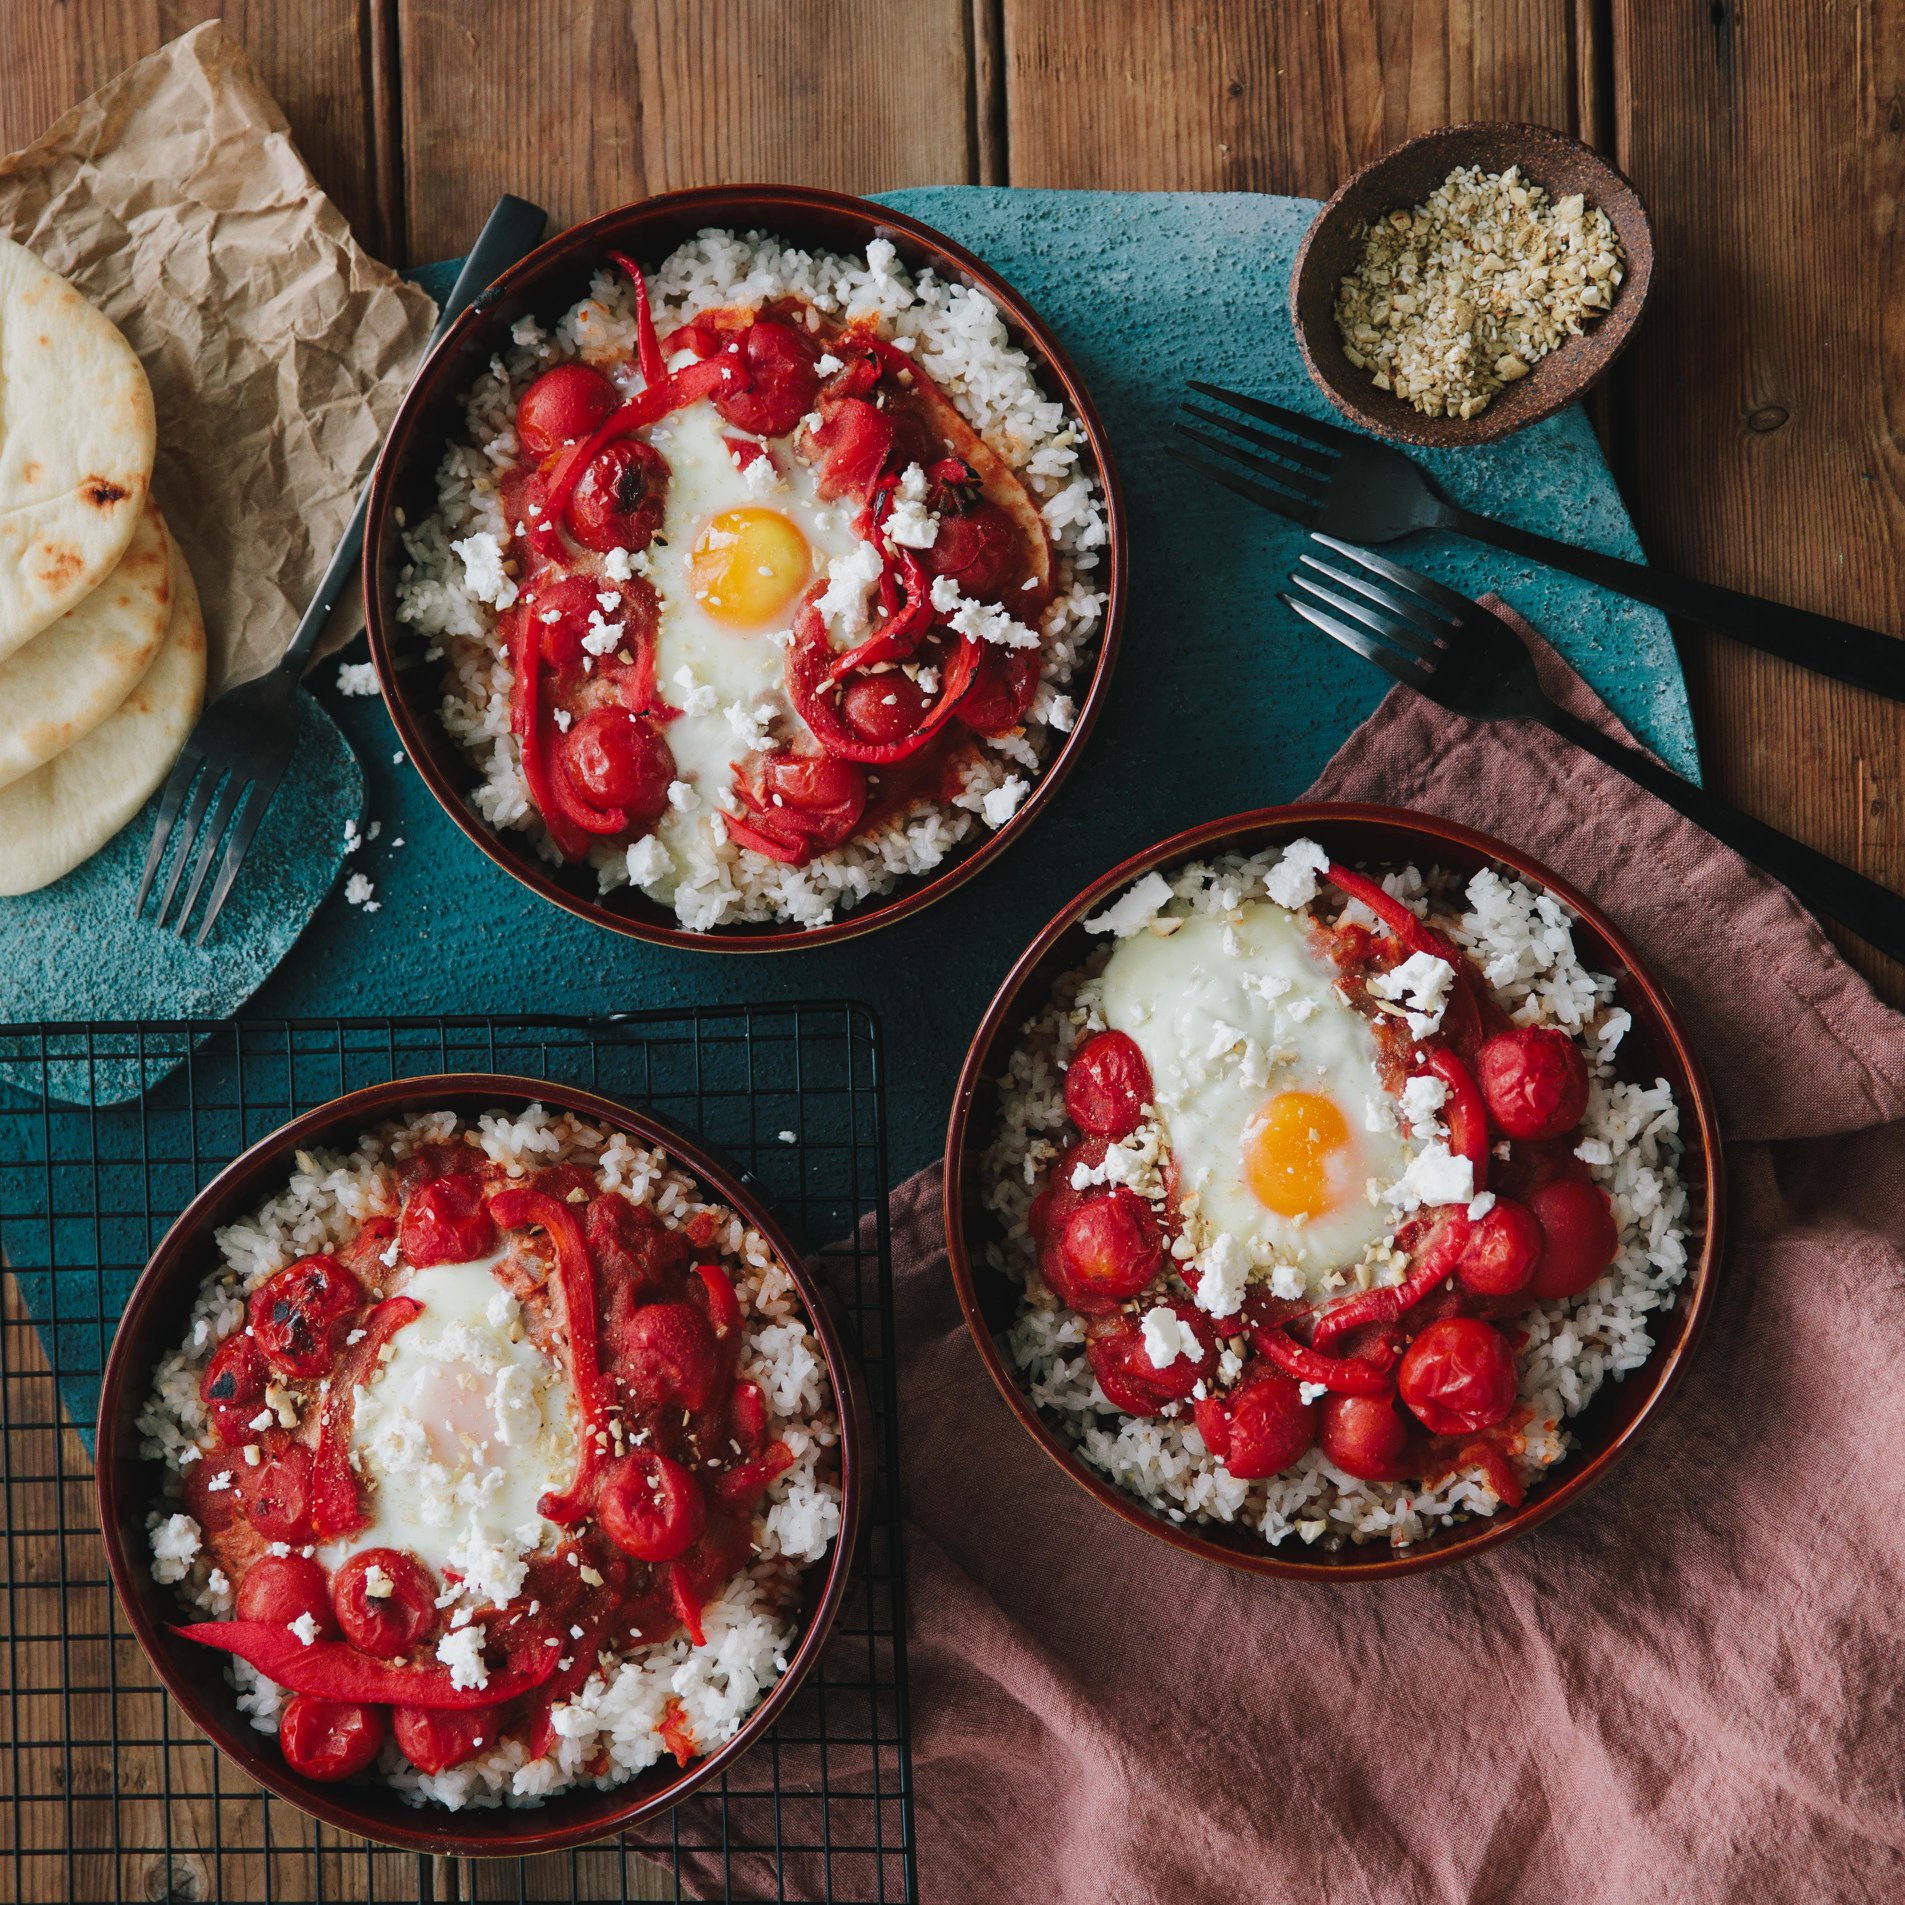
[[102, 647]]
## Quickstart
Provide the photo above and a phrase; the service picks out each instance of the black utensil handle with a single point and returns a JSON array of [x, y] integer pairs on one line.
[[1874, 912], [513, 230], [1822, 643]]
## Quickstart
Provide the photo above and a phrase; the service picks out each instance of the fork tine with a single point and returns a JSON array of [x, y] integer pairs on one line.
[[1417, 585], [237, 786], [1306, 486], [1280, 502], [1327, 436], [1410, 673], [188, 835], [1319, 462], [1437, 628], [1379, 619], [235, 853], [184, 771]]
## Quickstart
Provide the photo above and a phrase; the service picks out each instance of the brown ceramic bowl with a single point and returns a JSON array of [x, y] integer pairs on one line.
[[128, 1485], [1404, 178], [1369, 836], [547, 283]]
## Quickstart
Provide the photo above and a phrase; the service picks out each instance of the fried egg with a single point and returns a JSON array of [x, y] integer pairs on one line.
[[736, 553], [1266, 1084], [460, 1431]]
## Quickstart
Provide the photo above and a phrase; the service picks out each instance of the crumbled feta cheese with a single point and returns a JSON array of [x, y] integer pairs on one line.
[[602, 637], [1421, 983], [1003, 801], [1166, 1338], [1223, 1271], [1479, 1207], [175, 1544], [648, 861], [1419, 1100], [358, 891], [357, 678], [378, 1585], [1292, 881], [305, 1627], [462, 1653], [1311, 1391], [986, 621], [1435, 1176], [1132, 911], [843, 604]]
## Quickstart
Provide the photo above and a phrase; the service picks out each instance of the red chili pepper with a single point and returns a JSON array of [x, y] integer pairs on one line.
[[1345, 1375], [525, 646], [335, 1507], [1467, 1115], [810, 657], [334, 1670], [687, 1606], [514, 1210], [647, 349], [724, 1307], [1444, 1251]]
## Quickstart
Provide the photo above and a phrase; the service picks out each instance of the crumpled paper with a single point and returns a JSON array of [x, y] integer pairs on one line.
[[278, 349]]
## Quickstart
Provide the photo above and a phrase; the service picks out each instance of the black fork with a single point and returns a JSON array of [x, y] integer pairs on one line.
[[235, 757], [1330, 479], [1468, 660]]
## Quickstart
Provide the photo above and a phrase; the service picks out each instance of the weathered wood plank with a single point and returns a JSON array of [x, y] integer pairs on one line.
[[623, 99], [1185, 95], [1756, 419]]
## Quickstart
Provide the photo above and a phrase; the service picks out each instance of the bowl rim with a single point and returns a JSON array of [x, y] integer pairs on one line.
[[471, 1832], [1235, 831], [1375, 413], [769, 205]]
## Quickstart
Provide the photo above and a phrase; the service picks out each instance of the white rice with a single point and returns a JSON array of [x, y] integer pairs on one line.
[[957, 337], [751, 1629], [1522, 941]]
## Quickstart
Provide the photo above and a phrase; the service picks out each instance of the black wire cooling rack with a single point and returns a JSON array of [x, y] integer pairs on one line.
[[109, 1793]]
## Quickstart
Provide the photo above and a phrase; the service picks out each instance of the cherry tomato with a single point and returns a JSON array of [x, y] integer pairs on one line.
[[278, 1495], [1132, 1381], [433, 1739], [652, 1507], [747, 1416], [1270, 1425], [1108, 1086], [299, 1317], [233, 1388], [330, 1739], [885, 707], [1365, 1437], [278, 1588], [982, 552], [447, 1221], [1000, 691], [565, 607], [854, 441], [782, 382], [1059, 1197], [618, 503], [388, 1623], [1534, 1080], [565, 403], [1111, 1247], [633, 1250], [830, 795], [1579, 1236], [1458, 1376], [617, 759], [1502, 1250], [667, 1353]]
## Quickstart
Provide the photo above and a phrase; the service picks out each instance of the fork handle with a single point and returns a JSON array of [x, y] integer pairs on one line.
[[1822, 643], [1872, 911], [513, 230]]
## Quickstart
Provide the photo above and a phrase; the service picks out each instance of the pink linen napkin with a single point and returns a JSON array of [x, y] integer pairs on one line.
[[1685, 1688]]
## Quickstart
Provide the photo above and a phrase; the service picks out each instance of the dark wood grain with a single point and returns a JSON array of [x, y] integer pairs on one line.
[[1753, 420]]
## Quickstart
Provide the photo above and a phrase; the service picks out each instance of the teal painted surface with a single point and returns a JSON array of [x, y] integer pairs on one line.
[[1220, 701]]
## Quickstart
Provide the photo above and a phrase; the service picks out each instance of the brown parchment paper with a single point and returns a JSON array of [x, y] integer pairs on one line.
[[277, 348]]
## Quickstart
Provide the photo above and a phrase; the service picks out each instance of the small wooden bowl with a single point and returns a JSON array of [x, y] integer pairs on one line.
[[128, 1483], [1402, 179], [1370, 836]]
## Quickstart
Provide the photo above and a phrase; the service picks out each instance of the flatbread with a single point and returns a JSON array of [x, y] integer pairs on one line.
[[70, 677], [76, 442], [68, 808]]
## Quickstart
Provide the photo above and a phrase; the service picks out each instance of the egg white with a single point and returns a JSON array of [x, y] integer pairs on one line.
[[460, 1431], [742, 669], [1227, 1016]]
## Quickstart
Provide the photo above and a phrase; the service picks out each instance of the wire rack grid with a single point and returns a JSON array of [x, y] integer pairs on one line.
[[107, 1791]]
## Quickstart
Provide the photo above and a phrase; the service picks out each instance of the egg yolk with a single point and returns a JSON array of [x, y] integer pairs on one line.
[[747, 566], [1289, 1149]]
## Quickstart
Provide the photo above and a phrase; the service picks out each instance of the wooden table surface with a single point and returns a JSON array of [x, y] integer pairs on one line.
[[1749, 425]]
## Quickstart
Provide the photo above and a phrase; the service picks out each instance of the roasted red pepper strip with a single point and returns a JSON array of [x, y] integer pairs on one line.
[[514, 1210], [810, 657], [1345, 1375], [758, 841], [681, 1593], [1385, 1305], [724, 1307], [900, 635], [566, 1682], [647, 346], [1467, 1115], [525, 657], [334, 1670], [747, 1481], [1497, 1470], [335, 1507]]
